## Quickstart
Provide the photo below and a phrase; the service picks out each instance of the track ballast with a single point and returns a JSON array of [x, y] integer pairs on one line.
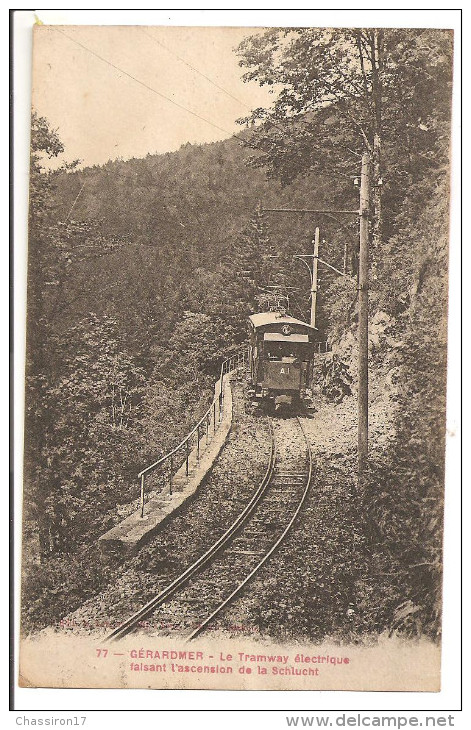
[[195, 598]]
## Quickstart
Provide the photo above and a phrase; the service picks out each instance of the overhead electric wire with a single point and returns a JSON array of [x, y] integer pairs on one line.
[[142, 83], [232, 135], [211, 81]]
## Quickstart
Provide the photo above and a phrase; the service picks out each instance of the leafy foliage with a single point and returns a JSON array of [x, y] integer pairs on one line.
[[342, 91]]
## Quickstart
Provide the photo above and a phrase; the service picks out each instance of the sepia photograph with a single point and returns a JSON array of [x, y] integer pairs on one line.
[[236, 358]]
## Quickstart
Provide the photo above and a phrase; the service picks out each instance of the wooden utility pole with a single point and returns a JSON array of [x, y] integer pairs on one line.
[[315, 260], [364, 213], [363, 322]]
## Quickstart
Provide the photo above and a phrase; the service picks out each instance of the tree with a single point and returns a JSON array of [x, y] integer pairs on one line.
[[56, 386], [228, 293], [341, 91], [90, 417]]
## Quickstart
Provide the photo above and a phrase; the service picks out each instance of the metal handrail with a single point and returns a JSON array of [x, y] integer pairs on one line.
[[232, 362], [180, 445]]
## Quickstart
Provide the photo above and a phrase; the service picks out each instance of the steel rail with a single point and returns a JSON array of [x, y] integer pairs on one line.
[[130, 624], [269, 554]]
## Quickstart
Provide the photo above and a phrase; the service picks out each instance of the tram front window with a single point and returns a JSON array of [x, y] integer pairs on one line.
[[282, 352]]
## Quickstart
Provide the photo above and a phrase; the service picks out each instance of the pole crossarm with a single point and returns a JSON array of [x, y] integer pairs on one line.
[[337, 271], [321, 261], [309, 210]]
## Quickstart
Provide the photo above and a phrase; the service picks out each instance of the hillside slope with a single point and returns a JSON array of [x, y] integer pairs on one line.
[[160, 261]]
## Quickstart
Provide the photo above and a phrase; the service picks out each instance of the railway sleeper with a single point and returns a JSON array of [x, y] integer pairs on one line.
[[251, 537], [245, 552], [249, 541], [290, 474], [280, 498], [256, 530], [285, 486], [265, 522]]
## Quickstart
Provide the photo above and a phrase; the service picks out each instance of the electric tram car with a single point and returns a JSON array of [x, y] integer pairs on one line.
[[280, 358]]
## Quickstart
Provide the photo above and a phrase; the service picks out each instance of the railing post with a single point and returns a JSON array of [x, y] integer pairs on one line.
[[221, 396], [187, 456], [171, 473], [214, 417], [142, 494]]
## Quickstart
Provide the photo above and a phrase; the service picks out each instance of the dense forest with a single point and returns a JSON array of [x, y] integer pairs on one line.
[[142, 272]]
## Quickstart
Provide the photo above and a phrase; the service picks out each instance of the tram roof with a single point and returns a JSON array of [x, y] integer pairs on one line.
[[263, 318]]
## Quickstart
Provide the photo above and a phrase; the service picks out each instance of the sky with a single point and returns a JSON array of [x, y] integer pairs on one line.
[[82, 84]]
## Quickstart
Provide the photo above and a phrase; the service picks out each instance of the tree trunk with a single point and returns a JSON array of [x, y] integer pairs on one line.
[[376, 46], [378, 215]]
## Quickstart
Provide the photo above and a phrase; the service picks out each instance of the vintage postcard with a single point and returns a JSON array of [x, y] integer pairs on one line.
[[236, 358]]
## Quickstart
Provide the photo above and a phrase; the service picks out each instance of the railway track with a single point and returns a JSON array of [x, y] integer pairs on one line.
[[196, 597]]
